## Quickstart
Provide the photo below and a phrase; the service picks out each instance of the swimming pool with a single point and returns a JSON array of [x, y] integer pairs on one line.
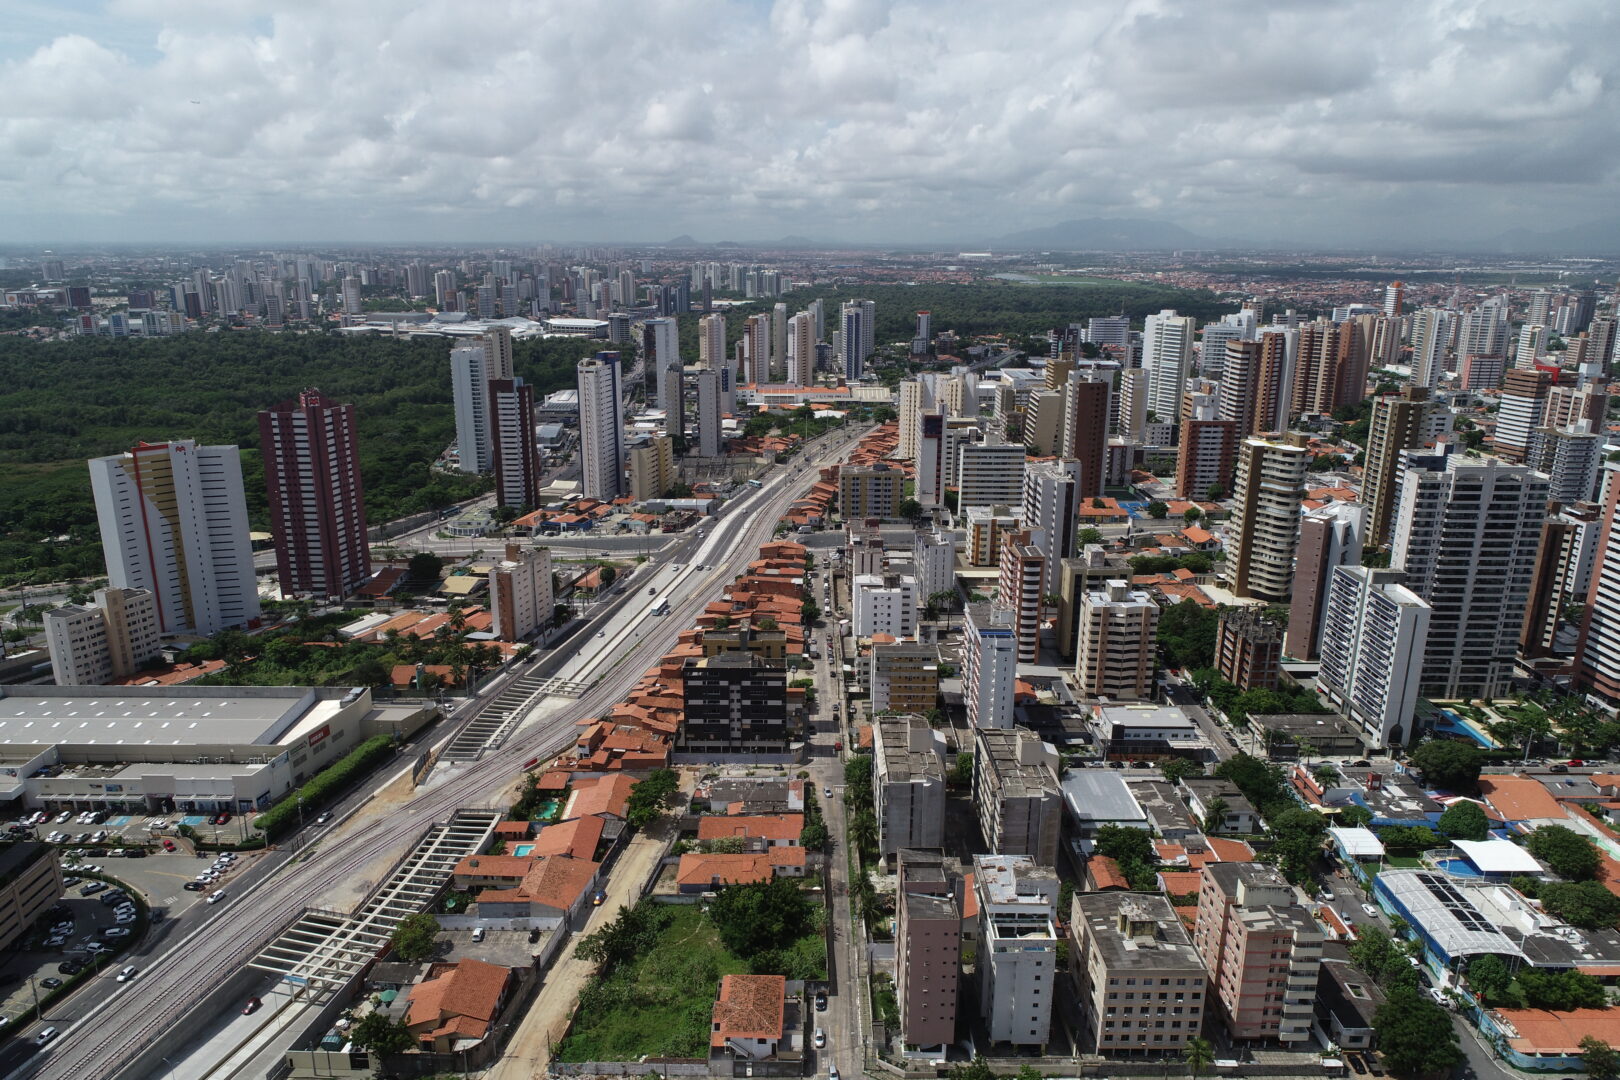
[[1458, 867], [522, 850]]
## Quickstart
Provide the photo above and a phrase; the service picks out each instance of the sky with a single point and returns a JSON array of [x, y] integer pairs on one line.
[[938, 121]]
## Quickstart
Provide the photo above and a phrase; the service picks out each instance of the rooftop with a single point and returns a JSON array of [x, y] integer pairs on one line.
[[1161, 943], [1101, 796], [750, 1007], [1142, 714], [101, 715], [1446, 914]]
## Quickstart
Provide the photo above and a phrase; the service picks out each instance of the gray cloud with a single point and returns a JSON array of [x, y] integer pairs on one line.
[[847, 119]]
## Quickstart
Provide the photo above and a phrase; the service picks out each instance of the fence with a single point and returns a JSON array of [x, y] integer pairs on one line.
[[629, 1068]]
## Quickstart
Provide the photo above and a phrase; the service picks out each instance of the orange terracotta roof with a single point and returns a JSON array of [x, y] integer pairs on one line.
[[1230, 850], [604, 795], [753, 826], [1519, 798], [701, 869], [750, 1007], [510, 829], [468, 991], [556, 881], [510, 867], [1544, 1032], [1106, 873], [577, 839], [1180, 882]]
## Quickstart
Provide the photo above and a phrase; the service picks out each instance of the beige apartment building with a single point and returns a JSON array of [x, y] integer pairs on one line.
[[1142, 986]]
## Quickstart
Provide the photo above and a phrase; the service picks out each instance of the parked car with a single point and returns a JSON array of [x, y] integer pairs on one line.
[[1558, 768], [194, 886], [478, 933], [821, 1038], [168, 845], [115, 932]]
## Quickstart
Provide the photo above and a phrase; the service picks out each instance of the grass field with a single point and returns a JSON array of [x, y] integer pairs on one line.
[[661, 1004]]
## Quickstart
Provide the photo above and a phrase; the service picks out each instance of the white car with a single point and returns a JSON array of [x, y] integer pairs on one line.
[[115, 932], [821, 1038], [64, 817], [216, 896], [127, 974], [1372, 912]]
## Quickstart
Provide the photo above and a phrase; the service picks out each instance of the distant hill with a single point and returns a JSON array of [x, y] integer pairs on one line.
[[1106, 234], [681, 241]]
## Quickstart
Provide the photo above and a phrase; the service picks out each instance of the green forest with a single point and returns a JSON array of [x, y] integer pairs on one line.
[[62, 403]]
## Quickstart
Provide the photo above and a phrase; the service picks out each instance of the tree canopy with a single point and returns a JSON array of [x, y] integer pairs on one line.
[[416, 938], [649, 797], [1415, 1036], [1450, 764], [761, 915], [1464, 820], [1569, 854], [1586, 904]]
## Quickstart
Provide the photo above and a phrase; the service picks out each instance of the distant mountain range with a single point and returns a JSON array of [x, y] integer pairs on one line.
[[1106, 234]]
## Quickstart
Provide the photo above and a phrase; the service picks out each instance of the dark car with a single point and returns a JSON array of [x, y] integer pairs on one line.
[[50, 984], [70, 967], [1558, 768], [251, 1006], [194, 886], [821, 1001]]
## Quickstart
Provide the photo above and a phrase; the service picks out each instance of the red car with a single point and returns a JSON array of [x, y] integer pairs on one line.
[[252, 1006], [222, 817], [1576, 762], [168, 845]]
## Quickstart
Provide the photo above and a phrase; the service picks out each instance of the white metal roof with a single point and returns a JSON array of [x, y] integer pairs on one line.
[[1446, 914], [1360, 843], [1498, 856]]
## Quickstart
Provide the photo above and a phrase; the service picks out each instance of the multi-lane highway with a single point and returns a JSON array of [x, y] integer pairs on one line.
[[102, 1043]]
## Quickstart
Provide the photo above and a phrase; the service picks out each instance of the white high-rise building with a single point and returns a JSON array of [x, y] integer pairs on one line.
[[916, 398], [1531, 347], [1114, 658], [601, 427], [1570, 457], [989, 474], [989, 665], [779, 343], [939, 448], [1431, 340], [1019, 943], [472, 369], [1374, 632], [884, 604], [1051, 509], [174, 520], [1466, 534], [933, 553], [1167, 345], [1483, 331]]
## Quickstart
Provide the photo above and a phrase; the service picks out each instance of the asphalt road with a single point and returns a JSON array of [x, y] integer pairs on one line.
[[208, 945]]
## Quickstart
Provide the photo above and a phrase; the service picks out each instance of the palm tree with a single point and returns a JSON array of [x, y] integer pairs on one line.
[[1198, 1055], [1217, 811]]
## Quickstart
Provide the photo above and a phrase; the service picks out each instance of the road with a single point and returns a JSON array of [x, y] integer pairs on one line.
[[101, 1043]]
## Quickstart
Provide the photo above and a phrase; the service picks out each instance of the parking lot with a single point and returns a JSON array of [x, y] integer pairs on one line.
[[115, 828]]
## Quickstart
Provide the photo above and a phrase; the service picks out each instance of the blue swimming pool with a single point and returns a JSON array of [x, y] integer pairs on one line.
[[522, 850], [1459, 867]]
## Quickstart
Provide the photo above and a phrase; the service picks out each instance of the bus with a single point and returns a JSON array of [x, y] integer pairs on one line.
[[662, 607], [755, 484]]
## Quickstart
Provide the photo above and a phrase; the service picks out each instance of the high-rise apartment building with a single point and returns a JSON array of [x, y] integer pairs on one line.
[[1051, 512], [855, 318], [1021, 588], [1264, 531], [472, 369], [1115, 654], [1207, 450], [1570, 457], [1374, 634], [1251, 384], [1142, 987], [661, 353], [904, 677], [317, 509], [1466, 537], [711, 410], [991, 474], [1597, 651], [801, 350], [601, 427], [92, 646], [939, 447], [1562, 581], [735, 703], [516, 462], [520, 596], [1248, 648], [871, 491], [1018, 947], [712, 341], [1432, 329], [173, 520], [989, 665], [1167, 341], [908, 783], [928, 950], [933, 554], [884, 604], [1401, 421], [756, 341], [1329, 536], [1525, 394], [1262, 949]]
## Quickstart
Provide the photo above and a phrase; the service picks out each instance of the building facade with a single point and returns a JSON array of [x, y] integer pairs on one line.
[[1142, 986], [1375, 632], [93, 646], [1263, 534], [1329, 536], [990, 665], [520, 593], [1018, 942], [601, 427], [317, 502], [736, 703], [1262, 949], [1115, 654]]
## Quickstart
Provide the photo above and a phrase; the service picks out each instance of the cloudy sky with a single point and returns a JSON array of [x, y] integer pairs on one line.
[[860, 120]]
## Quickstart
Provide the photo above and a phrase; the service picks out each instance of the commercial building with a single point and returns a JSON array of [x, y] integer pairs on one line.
[[904, 677], [873, 491], [1375, 633], [1018, 941], [317, 508], [1218, 806], [1145, 730], [652, 467], [1098, 797], [1020, 588], [990, 474], [928, 952], [990, 665], [601, 427], [1264, 530], [1141, 984], [1115, 654], [1466, 538], [1329, 536], [908, 783], [30, 883], [1016, 793], [93, 646], [884, 604], [1262, 949], [150, 749], [736, 703], [520, 595], [1248, 648], [173, 520]]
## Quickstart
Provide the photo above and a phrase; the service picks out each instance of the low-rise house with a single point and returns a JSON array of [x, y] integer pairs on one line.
[[757, 831], [750, 1017], [700, 873], [455, 1006], [1208, 794]]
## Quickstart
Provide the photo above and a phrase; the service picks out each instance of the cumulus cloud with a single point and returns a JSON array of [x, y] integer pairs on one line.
[[881, 120]]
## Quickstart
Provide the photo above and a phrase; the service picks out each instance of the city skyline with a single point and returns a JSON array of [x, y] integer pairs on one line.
[[1475, 125]]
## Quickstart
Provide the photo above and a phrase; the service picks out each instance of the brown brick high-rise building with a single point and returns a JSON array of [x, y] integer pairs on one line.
[[317, 510]]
